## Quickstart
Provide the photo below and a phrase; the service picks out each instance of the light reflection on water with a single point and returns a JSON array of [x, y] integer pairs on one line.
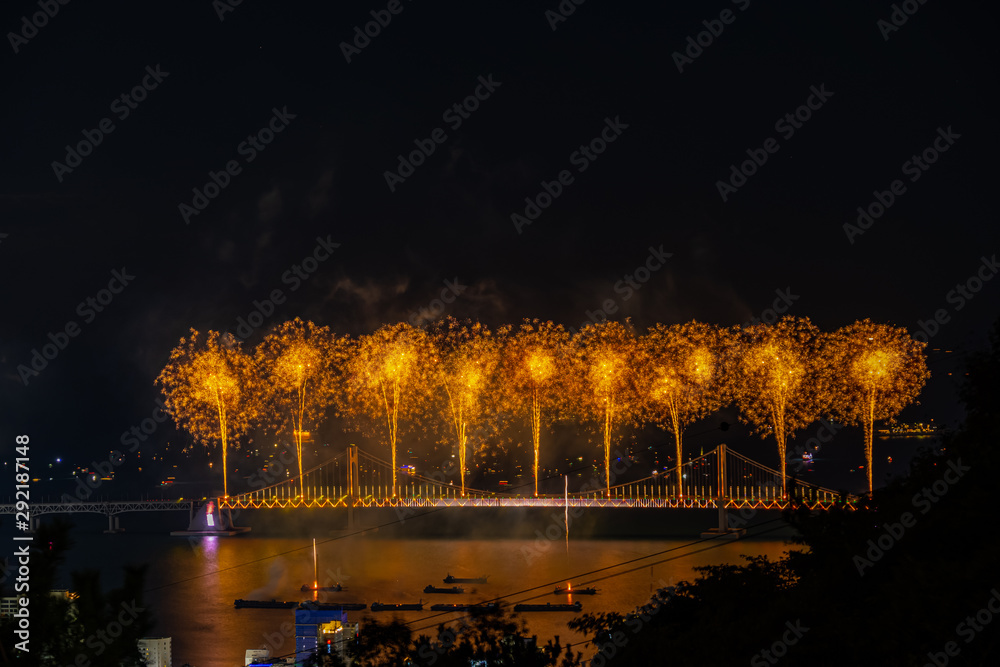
[[207, 574]]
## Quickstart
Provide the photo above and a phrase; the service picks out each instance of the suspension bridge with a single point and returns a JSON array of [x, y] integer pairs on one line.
[[721, 479]]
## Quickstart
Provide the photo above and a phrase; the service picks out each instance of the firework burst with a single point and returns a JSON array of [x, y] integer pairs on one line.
[[781, 383], [464, 365], [682, 377], [211, 391], [300, 365], [387, 381], [605, 388], [880, 370], [536, 365]]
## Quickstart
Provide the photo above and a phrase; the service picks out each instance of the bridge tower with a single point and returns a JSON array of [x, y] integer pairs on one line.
[[721, 500], [353, 484]]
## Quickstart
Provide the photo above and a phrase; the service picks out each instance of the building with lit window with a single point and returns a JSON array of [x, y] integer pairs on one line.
[[9, 605], [155, 651]]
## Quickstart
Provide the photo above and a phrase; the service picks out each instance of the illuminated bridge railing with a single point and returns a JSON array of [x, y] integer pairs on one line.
[[361, 481], [358, 480]]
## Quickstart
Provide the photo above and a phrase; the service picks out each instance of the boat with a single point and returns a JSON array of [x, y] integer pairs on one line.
[[575, 591], [916, 430], [548, 606], [464, 580], [316, 587], [333, 606], [435, 589], [405, 606], [335, 589], [487, 606], [264, 604]]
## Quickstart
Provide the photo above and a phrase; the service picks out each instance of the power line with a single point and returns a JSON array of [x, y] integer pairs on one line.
[[584, 574], [609, 567]]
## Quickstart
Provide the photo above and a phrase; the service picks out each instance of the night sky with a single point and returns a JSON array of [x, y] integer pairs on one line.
[[643, 112]]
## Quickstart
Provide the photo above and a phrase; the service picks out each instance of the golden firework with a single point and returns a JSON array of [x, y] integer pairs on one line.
[[682, 377], [605, 387], [386, 381], [301, 364], [535, 369], [211, 391], [463, 368], [781, 383], [879, 370]]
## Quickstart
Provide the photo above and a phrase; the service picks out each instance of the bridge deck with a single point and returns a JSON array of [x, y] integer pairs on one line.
[[645, 503]]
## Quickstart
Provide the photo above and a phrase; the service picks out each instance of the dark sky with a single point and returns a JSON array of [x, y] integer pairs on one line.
[[886, 96]]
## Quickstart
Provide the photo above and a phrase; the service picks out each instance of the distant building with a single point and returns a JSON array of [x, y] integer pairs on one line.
[[9, 605], [156, 651], [261, 658]]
